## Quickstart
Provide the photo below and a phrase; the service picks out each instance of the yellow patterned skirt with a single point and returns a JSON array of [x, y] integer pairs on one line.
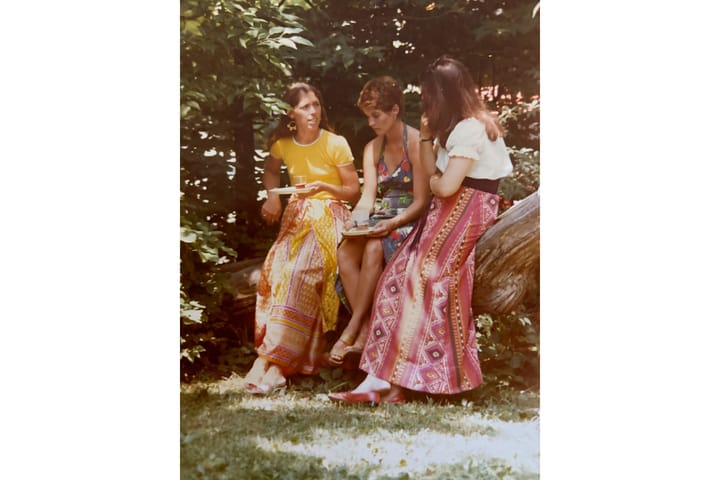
[[296, 299]]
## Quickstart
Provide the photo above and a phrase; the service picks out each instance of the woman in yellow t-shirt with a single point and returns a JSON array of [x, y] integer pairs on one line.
[[296, 299]]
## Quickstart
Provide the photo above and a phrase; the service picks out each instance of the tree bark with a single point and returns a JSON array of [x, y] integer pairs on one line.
[[507, 264], [507, 259]]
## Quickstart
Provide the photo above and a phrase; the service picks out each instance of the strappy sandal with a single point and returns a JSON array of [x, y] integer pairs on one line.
[[338, 356], [261, 389]]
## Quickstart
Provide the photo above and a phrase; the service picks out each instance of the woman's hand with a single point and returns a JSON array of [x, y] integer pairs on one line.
[[424, 128], [382, 228], [312, 188], [271, 209], [348, 225]]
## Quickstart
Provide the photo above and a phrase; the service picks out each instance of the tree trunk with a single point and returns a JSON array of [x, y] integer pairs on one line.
[[507, 259], [507, 264]]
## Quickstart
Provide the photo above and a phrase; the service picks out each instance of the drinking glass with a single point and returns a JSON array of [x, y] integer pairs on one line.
[[299, 181]]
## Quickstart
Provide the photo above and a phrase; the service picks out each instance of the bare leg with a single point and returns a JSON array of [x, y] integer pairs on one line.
[[370, 271], [350, 255], [363, 289]]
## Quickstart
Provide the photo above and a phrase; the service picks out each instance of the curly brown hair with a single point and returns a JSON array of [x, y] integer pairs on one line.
[[382, 93]]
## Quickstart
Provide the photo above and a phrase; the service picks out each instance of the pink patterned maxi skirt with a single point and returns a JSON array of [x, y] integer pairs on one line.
[[422, 333]]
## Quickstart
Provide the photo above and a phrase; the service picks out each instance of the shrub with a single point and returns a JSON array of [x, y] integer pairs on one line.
[[202, 285], [508, 347], [522, 122]]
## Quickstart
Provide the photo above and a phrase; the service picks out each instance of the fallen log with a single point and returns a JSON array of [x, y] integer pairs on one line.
[[243, 280], [507, 259], [507, 264]]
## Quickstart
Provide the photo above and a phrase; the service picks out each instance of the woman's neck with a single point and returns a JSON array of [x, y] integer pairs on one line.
[[307, 137], [395, 132]]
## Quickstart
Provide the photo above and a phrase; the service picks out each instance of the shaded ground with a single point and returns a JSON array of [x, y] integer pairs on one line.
[[299, 433]]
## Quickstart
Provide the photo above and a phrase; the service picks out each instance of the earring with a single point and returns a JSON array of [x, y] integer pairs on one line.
[[292, 126]]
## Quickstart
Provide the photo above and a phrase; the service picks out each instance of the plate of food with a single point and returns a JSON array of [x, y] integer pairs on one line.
[[289, 190]]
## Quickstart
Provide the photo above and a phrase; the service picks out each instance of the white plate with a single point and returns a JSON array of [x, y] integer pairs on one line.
[[289, 190]]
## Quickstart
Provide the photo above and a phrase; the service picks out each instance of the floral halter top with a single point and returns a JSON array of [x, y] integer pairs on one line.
[[394, 194]]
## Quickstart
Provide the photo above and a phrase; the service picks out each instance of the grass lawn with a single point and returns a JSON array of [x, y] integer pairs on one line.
[[300, 434]]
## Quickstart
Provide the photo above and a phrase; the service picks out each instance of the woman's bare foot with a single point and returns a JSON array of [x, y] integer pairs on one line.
[[340, 350], [273, 377], [373, 391], [349, 344], [373, 384], [257, 372]]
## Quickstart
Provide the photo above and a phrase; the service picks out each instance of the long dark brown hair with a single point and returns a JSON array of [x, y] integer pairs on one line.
[[450, 95], [292, 97]]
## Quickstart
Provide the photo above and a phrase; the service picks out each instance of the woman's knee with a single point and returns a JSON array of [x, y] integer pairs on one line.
[[346, 257], [373, 254]]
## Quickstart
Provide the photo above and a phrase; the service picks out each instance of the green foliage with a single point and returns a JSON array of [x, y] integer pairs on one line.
[[202, 286], [356, 40], [525, 178], [522, 121], [509, 347], [236, 59], [234, 68]]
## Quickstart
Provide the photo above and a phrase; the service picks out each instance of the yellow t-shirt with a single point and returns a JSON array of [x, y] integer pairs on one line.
[[317, 161]]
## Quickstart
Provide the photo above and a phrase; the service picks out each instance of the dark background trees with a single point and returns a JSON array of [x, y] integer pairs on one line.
[[237, 58]]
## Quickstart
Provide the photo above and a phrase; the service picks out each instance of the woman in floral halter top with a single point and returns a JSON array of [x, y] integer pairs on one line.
[[395, 194]]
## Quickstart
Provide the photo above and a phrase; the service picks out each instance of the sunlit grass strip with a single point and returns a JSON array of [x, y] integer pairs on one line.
[[303, 435]]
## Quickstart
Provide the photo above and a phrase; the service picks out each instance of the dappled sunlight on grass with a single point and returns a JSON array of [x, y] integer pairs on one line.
[[300, 433], [396, 452]]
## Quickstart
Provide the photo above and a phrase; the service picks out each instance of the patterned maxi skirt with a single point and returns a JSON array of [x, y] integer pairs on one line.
[[296, 301], [422, 333]]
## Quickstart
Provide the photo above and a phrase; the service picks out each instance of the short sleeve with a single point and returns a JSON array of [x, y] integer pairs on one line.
[[467, 139], [341, 154], [276, 149]]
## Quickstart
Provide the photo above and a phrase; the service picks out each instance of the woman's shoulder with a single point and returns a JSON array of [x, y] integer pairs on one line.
[[373, 148], [333, 139], [282, 141], [279, 146], [470, 124], [375, 143], [413, 136], [332, 136], [413, 142], [412, 130], [467, 130]]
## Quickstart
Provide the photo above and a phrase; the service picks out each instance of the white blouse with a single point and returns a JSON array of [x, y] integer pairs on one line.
[[469, 139]]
